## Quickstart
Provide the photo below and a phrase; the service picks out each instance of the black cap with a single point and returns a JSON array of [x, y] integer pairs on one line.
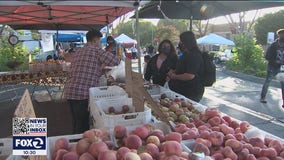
[[93, 34]]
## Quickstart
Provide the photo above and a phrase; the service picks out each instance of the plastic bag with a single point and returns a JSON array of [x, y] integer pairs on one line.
[[166, 85], [280, 76], [118, 72]]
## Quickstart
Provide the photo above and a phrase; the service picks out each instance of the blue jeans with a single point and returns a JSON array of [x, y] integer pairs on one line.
[[271, 73]]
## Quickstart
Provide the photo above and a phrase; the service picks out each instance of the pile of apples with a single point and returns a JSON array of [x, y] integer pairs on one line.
[[177, 109], [223, 138], [124, 109], [143, 143]]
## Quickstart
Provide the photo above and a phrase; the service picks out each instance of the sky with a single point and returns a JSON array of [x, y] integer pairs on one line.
[[249, 16]]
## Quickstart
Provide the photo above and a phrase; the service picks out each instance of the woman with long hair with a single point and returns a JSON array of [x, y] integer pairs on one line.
[[161, 63], [185, 79]]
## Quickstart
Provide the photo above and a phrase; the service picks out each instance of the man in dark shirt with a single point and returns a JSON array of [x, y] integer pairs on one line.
[[275, 57]]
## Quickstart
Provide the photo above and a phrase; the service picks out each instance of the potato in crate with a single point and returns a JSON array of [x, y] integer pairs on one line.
[[108, 113]]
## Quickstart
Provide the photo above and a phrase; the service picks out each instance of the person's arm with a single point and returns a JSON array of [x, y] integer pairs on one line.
[[182, 77], [108, 59], [148, 73]]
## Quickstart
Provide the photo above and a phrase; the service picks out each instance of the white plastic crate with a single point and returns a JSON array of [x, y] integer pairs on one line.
[[155, 89], [105, 92], [102, 120], [6, 146], [72, 139]]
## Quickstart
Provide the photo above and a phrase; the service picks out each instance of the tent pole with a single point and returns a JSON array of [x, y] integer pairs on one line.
[[136, 4], [190, 23]]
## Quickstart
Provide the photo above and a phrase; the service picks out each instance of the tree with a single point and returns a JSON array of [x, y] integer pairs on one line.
[[242, 26], [146, 31], [200, 27], [168, 32], [180, 24], [248, 57], [268, 23]]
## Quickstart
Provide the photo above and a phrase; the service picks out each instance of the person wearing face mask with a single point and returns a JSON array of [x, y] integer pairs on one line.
[[111, 45], [185, 79], [85, 73], [160, 64], [275, 57]]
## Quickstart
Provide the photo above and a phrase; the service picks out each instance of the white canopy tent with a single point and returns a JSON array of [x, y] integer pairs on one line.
[[124, 39], [212, 39]]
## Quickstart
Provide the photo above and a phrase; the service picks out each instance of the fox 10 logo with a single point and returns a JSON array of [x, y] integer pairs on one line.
[[29, 136]]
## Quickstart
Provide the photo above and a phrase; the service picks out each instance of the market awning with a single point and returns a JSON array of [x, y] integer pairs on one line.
[[62, 15]]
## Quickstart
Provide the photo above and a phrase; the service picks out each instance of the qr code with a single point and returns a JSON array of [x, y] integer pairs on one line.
[[21, 126]]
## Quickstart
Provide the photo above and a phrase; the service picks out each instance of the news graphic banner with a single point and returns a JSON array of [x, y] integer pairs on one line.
[[29, 136]]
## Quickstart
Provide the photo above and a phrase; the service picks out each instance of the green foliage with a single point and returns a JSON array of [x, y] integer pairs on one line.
[[146, 31], [248, 57], [168, 32], [268, 23], [9, 53], [180, 25]]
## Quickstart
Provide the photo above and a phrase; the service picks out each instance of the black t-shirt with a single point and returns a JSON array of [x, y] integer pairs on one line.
[[159, 75], [189, 63], [275, 55]]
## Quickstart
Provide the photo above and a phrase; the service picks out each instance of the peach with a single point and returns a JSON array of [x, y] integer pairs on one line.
[[204, 134], [60, 153], [82, 145], [153, 150], [276, 145], [214, 121], [228, 119], [153, 139], [267, 140], [97, 147], [90, 135], [217, 156], [229, 136], [181, 128], [173, 136], [268, 152], [263, 158], [142, 132], [282, 154], [61, 143], [251, 157], [172, 148], [110, 144], [107, 155], [125, 109], [70, 156], [159, 133], [203, 141], [242, 155], [190, 134], [226, 129], [216, 128], [256, 151], [244, 125], [133, 142], [234, 144], [86, 156], [257, 142], [122, 151], [228, 153], [145, 156], [216, 138], [184, 155], [234, 124], [119, 131], [131, 156]]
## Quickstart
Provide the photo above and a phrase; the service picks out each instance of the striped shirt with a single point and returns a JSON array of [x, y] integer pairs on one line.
[[86, 70]]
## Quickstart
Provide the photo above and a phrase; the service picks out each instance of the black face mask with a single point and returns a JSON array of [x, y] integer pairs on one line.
[[281, 39], [181, 47], [166, 50]]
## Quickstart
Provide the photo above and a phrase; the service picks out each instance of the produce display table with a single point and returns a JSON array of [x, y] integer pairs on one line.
[[54, 78]]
